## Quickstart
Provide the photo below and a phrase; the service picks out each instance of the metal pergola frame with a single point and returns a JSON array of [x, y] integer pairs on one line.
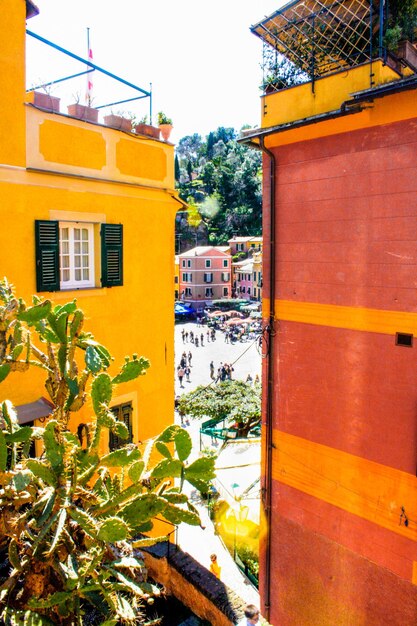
[[321, 37], [92, 68]]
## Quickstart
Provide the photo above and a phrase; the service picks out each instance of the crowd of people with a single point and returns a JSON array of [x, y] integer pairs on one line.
[[205, 332]]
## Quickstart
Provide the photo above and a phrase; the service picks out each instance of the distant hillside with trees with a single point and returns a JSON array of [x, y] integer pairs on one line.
[[220, 180]]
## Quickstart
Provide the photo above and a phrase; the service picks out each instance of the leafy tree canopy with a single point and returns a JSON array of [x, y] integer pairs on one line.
[[222, 178], [231, 400]]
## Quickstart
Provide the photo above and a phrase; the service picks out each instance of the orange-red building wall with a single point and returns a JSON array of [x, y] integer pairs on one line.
[[345, 395]]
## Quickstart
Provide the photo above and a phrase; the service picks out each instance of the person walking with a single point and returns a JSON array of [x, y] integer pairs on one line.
[[212, 370], [187, 373], [181, 373], [208, 336], [190, 358], [214, 566], [183, 335], [202, 339], [251, 616]]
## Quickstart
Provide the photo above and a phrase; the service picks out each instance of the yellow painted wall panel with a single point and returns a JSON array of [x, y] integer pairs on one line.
[[337, 478], [64, 143], [299, 102], [141, 159], [353, 318], [12, 76], [397, 107]]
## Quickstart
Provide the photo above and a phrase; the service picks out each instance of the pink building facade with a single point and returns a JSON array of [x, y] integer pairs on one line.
[[204, 275]]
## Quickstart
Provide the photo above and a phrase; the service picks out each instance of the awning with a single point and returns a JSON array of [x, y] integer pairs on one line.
[[34, 410]]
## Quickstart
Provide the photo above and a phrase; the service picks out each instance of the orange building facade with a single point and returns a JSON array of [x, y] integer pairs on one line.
[[340, 368]]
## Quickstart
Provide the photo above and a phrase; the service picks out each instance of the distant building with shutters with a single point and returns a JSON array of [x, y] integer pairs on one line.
[[84, 207], [205, 275]]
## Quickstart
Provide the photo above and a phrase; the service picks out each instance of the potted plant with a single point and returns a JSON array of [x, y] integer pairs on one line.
[[142, 127], [83, 111], [165, 125], [118, 120], [45, 100]]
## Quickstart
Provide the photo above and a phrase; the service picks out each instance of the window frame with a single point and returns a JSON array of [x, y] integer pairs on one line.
[[73, 283], [118, 411]]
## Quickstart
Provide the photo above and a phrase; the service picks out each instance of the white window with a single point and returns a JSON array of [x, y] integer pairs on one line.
[[187, 277], [225, 277], [208, 277], [209, 292], [239, 247], [208, 262], [76, 255], [225, 263]]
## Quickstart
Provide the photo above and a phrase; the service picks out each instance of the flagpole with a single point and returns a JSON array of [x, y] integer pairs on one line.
[[89, 81]]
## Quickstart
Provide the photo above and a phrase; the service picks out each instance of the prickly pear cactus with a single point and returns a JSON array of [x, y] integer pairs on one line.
[[72, 522]]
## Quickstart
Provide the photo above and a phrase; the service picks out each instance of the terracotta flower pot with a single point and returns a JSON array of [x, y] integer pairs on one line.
[[83, 112], [165, 131], [118, 122], [148, 130], [46, 101]]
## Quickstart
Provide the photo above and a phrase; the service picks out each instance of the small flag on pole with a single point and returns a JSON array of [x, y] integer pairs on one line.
[[89, 93]]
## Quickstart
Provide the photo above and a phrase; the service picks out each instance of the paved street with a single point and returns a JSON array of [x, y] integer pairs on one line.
[[245, 358]]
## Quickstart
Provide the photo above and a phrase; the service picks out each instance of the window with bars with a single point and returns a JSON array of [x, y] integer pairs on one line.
[[123, 413], [65, 255]]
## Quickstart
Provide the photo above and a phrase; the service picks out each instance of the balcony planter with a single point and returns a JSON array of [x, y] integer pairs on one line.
[[165, 131], [46, 101], [83, 112], [165, 125], [118, 122], [407, 52], [148, 130]]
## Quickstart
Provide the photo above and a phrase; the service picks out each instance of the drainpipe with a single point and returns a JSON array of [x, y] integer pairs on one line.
[[267, 488]]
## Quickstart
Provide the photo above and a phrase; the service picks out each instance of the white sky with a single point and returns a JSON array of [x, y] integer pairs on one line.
[[201, 58]]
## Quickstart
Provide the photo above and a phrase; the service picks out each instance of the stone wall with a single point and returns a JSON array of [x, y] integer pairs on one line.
[[194, 585]]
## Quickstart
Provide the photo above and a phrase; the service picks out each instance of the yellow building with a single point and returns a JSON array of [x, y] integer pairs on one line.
[[83, 209]]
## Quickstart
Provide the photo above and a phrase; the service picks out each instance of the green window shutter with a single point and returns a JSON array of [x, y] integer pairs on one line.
[[111, 255], [47, 255]]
